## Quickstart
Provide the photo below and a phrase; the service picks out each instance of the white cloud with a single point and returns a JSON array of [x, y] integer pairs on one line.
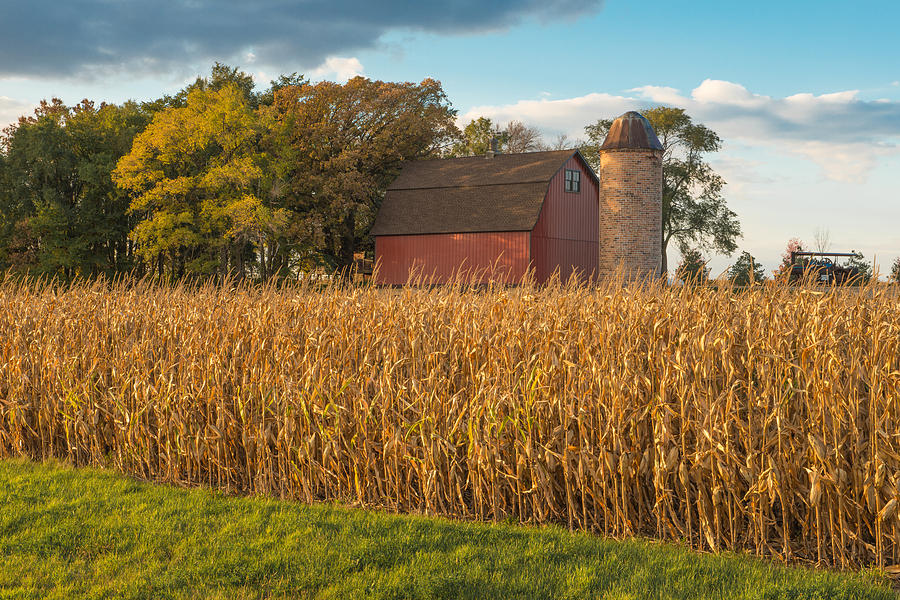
[[840, 133], [568, 116], [341, 69], [662, 94], [741, 172], [847, 162], [11, 110], [713, 91]]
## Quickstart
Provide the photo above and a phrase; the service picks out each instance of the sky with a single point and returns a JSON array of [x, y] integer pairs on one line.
[[805, 95]]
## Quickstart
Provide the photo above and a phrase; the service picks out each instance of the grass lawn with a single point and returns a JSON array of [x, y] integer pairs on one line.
[[84, 533]]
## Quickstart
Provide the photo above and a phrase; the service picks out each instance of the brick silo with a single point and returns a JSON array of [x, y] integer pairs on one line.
[[631, 199]]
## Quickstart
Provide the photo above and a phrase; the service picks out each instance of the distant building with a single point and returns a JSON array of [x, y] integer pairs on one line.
[[501, 215]]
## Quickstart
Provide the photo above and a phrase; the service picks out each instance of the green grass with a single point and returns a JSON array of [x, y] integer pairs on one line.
[[84, 533]]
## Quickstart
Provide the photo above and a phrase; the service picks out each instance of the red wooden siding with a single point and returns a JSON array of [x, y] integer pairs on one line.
[[500, 256], [567, 233]]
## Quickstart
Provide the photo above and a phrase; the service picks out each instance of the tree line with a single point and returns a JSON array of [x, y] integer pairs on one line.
[[223, 179], [216, 179]]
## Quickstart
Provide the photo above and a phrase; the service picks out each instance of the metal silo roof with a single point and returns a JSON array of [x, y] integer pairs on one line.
[[631, 131]]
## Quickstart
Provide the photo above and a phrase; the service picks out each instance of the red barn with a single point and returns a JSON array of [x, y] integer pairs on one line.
[[496, 215]]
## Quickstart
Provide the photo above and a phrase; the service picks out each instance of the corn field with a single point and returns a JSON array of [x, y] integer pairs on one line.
[[765, 420]]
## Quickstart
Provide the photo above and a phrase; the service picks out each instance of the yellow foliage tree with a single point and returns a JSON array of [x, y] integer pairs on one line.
[[198, 177]]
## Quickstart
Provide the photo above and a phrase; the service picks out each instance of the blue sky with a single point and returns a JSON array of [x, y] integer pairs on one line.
[[773, 48], [806, 95]]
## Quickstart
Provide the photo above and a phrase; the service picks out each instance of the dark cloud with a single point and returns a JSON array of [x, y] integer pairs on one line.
[[53, 38]]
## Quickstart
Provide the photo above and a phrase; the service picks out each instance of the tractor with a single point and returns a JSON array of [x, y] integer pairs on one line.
[[822, 267]]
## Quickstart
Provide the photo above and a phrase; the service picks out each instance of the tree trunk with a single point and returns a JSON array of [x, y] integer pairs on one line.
[[665, 260], [223, 264], [239, 251], [180, 260], [260, 255], [348, 244], [277, 262]]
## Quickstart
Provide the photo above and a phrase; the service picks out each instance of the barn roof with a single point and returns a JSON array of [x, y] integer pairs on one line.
[[470, 194]]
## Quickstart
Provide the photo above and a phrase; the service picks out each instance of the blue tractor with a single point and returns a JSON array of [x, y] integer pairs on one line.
[[822, 267]]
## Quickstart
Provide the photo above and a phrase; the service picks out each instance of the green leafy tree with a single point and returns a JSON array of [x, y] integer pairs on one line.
[[60, 212], [40, 197], [515, 138], [692, 268], [101, 136], [695, 213], [476, 138], [895, 270], [863, 267], [267, 98], [221, 75], [338, 147], [746, 270], [5, 227], [198, 181]]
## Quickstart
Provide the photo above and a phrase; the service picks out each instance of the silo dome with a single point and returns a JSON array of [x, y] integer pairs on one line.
[[631, 131]]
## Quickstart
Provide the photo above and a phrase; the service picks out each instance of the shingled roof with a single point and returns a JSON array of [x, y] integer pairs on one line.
[[470, 194]]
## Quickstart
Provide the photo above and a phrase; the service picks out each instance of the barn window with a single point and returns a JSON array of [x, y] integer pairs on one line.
[[573, 180]]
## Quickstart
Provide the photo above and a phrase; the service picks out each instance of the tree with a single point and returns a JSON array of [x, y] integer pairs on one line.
[[221, 75], [476, 138], [198, 181], [793, 245], [863, 267], [895, 270], [746, 271], [267, 98], [521, 138], [60, 212], [337, 148], [692, 268], [515, 138], [562, 142], [694, 212], [822, 238]]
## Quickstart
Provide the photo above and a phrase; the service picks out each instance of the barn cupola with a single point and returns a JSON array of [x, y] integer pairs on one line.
[[631, 199]]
